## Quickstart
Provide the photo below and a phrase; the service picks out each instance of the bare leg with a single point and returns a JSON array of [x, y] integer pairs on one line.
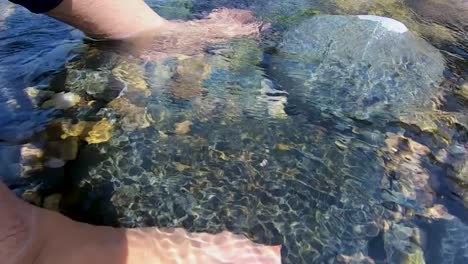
[[118, 19], [108, 18], [33, 235]]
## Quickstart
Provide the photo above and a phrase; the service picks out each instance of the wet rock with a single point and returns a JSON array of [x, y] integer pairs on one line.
[[38, 95], [407, 179], [463, 91], [173, 9], [131, 75], [52, 202], [398, 10], [442, 125], [454, 11], [452, 246], [181, 167], [359, 75], [90, 82], [229, 176], [131, 116], [89, 131], [183, 128], [401, 246], [189, 77], [6, 9], [236, 85], [62, 101], [31, 159], [415, 257], [33, 197], [438, 211], [66, 128], [357, 258], [54, 163], [100, 132], [66, 149], [275, 100], [285, 13]]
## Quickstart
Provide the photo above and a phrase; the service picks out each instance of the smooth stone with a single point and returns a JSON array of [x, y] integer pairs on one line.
[[31, 159], [357, 66], [20, 161], [89, 131], [38, 96], [54, 163], [401, 243], [52, 202], [62, 101], [131, 116], [183, 128], [6, 10], [388, 23], [357, 258], [32, 197], [100, 132], [66, 149]]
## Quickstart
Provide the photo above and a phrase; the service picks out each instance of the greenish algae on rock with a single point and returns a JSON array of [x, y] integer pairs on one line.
[[397, 9]]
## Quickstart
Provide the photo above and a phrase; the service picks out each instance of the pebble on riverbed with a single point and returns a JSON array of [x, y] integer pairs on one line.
[[90, 131], [37, 95], [183, 128], [62, 101]]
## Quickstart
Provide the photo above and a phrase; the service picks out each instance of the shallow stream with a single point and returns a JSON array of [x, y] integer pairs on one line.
[[342, 138]]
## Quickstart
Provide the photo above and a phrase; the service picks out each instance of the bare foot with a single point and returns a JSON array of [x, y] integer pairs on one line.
[[33, 235], [190, 37]]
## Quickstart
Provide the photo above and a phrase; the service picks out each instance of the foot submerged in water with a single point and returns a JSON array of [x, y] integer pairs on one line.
[[30, 235], [190, 37]]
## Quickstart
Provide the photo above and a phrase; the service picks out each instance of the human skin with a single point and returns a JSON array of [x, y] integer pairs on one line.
[[32, 235]]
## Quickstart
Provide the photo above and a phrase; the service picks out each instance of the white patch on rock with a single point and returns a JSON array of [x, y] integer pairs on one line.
[[62, 101], [388, 23]]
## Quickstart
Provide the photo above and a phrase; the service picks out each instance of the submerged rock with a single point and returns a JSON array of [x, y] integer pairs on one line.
[[183, 128], [437, 33], [131, 74], [37, 95], [357, 258], [285, 13], [100, 132], [454, 13], [52, 202], [407, 182], [31, 159], [358, 66], [62, 101], [66, 149], [231, 175], [6, 10], [189, 77], [131, 116], [89, 131], [32, 197], [402, 245], [173, 9], [453, 245]]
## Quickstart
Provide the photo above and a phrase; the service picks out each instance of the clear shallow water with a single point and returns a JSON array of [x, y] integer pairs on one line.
[[220, 141]]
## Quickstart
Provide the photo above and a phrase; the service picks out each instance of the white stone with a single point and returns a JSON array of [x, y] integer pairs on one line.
[[388, 23]]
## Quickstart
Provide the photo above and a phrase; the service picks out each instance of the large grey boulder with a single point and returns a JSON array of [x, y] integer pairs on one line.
[[357, 66]]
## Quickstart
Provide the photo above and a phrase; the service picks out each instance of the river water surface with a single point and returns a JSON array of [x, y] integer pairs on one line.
[[334, 158]]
